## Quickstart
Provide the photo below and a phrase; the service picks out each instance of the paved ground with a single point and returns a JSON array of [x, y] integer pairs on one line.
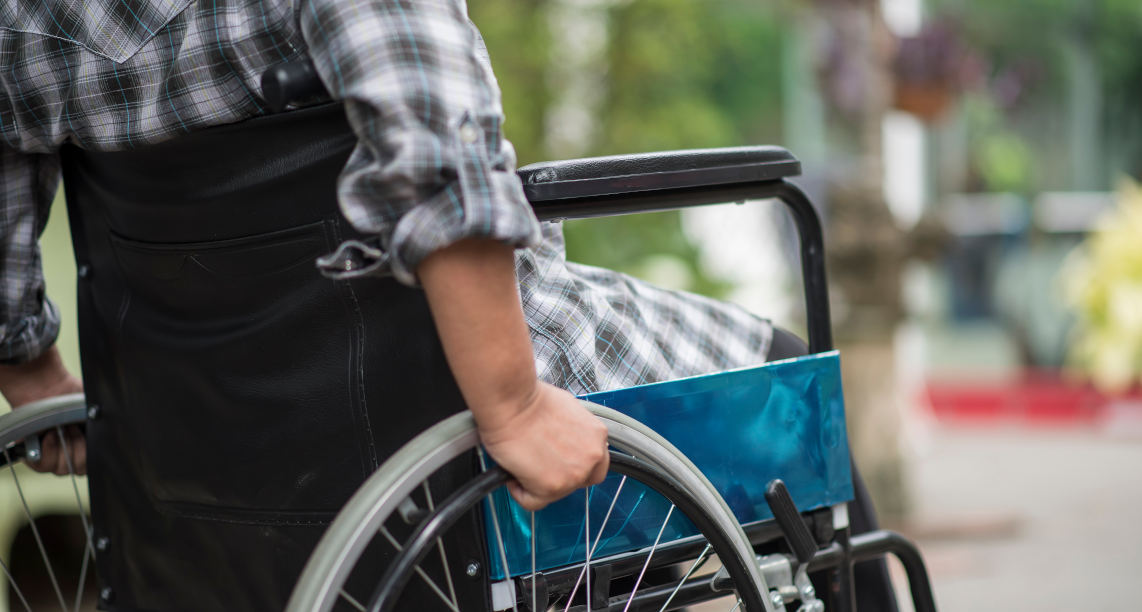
[[1031, 519]]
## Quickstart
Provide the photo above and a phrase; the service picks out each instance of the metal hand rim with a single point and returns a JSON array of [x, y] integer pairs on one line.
[[42, 416], [379, 496], [385, 594]]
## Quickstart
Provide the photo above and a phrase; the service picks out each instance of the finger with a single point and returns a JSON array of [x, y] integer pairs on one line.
[[74, 438], [79, 452], [600, 471], [525, 498]]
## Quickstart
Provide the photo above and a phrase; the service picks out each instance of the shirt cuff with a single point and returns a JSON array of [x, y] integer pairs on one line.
[[28, 337], [485, 200]]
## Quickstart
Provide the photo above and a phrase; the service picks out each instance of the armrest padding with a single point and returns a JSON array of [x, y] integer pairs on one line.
[[665, 171]]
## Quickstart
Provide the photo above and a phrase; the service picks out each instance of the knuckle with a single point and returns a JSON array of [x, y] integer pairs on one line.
[[551, 489]]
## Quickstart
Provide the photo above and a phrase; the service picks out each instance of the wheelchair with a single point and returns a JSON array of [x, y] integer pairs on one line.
[[430, 525]]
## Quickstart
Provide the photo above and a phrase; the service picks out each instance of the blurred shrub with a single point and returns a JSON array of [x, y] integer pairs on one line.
[[677, 74], [1103, 283]]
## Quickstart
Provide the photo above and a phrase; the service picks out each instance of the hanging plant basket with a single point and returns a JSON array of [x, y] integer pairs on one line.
[[927, 101]]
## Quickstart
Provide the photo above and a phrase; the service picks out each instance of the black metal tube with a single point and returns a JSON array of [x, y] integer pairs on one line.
[[812, 238], [627, 564], [876, 544], [650, 201], [844, 599], [812, 241], [695, 591]]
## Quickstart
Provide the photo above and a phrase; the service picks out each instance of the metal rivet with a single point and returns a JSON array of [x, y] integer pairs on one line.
[[348, 265], [107, 594], [102, 544], [469, 134], [93, 411], [83, 271], [473, 569], [34, 455], [777, 600]]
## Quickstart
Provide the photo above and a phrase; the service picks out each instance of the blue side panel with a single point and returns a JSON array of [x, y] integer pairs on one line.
[[742, 428]]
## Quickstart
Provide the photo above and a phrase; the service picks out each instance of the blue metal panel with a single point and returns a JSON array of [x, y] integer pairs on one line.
[[742, 428]]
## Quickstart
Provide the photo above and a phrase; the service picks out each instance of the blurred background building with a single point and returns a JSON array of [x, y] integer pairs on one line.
[[972, 159]]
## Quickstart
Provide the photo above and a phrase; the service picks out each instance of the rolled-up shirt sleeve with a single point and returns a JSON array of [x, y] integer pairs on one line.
[[431, 166], [29, 322]]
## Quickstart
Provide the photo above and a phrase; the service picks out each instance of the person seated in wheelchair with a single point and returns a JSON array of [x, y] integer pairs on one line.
[[244, 395]]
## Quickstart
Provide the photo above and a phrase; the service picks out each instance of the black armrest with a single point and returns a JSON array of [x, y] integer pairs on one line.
[[595, 177], [617, 175], [600, 186]]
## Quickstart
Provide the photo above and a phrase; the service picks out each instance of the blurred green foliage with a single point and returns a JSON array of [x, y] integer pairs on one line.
[[519, 43], [677, 74], [687, 74]]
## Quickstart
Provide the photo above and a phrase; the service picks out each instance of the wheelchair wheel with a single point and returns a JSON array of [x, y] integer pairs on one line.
[[397, 498], [50, 511]]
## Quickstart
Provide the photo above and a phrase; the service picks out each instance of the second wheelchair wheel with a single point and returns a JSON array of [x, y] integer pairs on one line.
[[389, 547], [46, 549]]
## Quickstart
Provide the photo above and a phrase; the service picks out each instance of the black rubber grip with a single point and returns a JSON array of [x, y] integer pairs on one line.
[[290, 83], [792, 525]]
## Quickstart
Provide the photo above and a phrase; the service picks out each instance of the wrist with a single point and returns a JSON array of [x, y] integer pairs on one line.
[[507, 411], [41, 377]]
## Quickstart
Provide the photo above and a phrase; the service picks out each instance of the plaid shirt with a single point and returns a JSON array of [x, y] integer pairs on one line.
[[431, 166]]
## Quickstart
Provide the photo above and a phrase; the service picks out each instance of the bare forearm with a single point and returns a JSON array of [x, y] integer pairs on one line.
[[474, 298], [44, 376]]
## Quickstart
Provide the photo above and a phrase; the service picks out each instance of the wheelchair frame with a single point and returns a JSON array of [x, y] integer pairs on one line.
[[627, 184]]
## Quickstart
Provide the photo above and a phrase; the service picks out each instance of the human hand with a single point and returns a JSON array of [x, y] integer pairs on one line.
[[41, 378], [551, 447]]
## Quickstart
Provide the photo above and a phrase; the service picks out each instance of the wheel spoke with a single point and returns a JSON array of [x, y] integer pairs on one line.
[[440, 547], [420, 572], [690, 572], [587, 541], [534, 595], [11, 580], [35, 532], [82, 579], [499, 534], [664, 470], [649, 555], [89, 548], [590, 551], [352, 600]]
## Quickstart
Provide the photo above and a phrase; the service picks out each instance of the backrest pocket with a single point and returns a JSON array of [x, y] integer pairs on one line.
[[114, 29]]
